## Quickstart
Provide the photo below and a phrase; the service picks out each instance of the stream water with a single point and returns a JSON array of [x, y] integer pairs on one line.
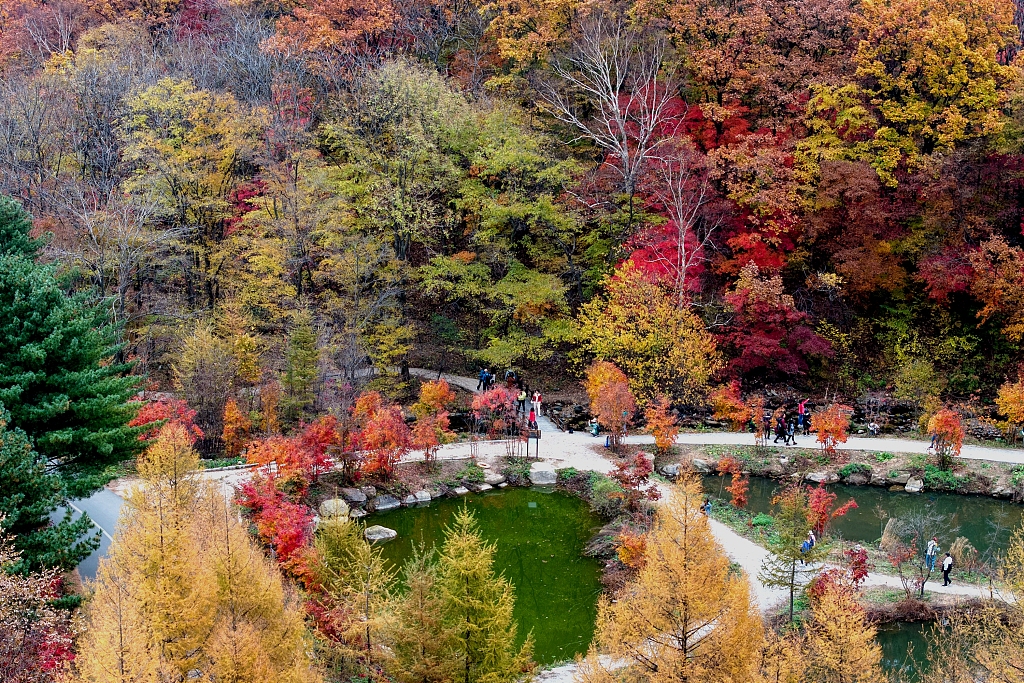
[[539, 536]]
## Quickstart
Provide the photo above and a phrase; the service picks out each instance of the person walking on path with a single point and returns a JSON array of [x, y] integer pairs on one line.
[[521, 401], [780, 429], [801, 416], [535, 401], [947, 566], [482, 384], [930, 554], [531, 421], [790, 435]]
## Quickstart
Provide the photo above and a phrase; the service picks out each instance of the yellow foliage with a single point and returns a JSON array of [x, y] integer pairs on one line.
[[841, 645]]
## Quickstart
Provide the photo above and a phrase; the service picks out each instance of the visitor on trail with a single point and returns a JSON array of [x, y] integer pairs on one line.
[[706, 507], [874, 428], [947, 566], [535, 400], [767, 419], [812, 539], [780, 429], [801, 416], [531, 421], [790, 435], [931, 446], [594, 426], [521, 401], [482, 384], [931, 553]]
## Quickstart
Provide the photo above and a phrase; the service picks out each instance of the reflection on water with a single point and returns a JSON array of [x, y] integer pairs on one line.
[[904, 647], [540, 535]]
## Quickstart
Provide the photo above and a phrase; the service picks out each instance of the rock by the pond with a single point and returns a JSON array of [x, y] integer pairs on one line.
[[702, 466], [914, 485], [335, 507], [357, 513], [900, 478], [458, 491], [385, 502], [822, 477], [478, 488], [353, 496], [503, 485], [858, 479], [377, 533], [878, 479], [409, 500], [368, 491], [542, 474], [435, 491], [494, 479], [422, 496], [671, 471]]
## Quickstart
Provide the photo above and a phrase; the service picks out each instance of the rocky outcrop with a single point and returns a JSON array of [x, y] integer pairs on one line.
[[914, 485], [353, 496], [858, 479], [335, 507], [385, 503], [458, 491], [822, 477], [377, 534], [702, 466], [670, 471], [494, 479]]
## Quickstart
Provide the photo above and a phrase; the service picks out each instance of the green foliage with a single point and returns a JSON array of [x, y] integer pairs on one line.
[[854, 468], [31, 493], [762, 520], [944, 480], [516, 471], [301, 369], [59, 377], [15, 224], [787, 566], [1017, 475], [884, 456], [606, 496]]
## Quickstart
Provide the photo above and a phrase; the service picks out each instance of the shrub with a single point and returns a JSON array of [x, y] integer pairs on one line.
[[606, 497], [762, 520], [516, 471], [854, 468], [938, 478], [1017, 475], [885, 456]]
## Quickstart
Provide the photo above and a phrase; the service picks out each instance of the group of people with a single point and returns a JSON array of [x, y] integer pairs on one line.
[[786, 425], [932, 552], [515, 383]]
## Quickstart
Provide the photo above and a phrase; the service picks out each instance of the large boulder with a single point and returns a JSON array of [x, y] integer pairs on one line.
[[670, 471], [858, 479], [822, 477], [914, 485], [901, 478], [479, 488], [377, 533], [542, 474], [422, 496], [353, 496], [702, 466], [458, 491], [335, 507], [385, 502], [368, 491], [494, 479]]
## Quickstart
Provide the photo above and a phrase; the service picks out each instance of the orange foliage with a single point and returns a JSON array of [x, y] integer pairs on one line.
[[236, 429], [632, 549], [385, 436], [830, 425], [333, 28], [757, 415], [728, 405], [610, 398], [434, 397], [738, 489], [661, 423], [949, 434]]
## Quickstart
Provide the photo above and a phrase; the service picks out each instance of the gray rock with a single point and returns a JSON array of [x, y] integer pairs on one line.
[[335, 507], [458, 491], [368, 491], [422, 496], [377, 533], [503, 485], [822, 477], [878, 479], [435, 491], [409, 500], [494, 479], [702, 466], [353, 496], [480, 488], [902, 478], [357, 513], [670, 471], [385, 502], [542, 474], [914, 485], [858, 479]]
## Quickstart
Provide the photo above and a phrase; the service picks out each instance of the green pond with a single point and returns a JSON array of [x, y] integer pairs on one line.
[[904, 647], [539, 536], [986, 522]]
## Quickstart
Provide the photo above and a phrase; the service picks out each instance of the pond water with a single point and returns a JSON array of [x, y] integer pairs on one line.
[[986, 522], [539, 535], [904, 647]]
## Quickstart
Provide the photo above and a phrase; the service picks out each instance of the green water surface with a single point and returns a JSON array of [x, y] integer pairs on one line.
[[539, 535]]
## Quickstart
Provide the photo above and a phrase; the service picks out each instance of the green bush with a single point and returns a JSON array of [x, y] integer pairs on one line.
[[762, 520], [885, 456], [854, 468], [1017, 475], [936, 478], [606, 496], [516, 471]]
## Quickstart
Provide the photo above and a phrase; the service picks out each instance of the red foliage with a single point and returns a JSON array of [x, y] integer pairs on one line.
[[282, 524], [495, 408], [633, 474], [166, 410], [821, 508], [386, 438], [830, 425], [314, 442], [738, 489]]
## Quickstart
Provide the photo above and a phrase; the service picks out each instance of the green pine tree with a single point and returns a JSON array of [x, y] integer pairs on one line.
[[30, 495], [421, 642], [788, 565], [478, 608], [15, 226], [57, 376], [301, 359]]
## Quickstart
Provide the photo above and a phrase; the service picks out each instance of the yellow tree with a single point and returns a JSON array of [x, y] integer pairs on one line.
[[660, 346], [686, 616], [1010, 401], [841, 646]]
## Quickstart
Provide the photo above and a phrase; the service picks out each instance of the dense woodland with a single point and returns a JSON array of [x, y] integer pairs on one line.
[[260, 214]]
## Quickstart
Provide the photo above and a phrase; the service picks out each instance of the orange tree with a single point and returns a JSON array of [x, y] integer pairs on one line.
[[830, 425], [236, 429], [948, 430], [661, 423], [1010, 401], [610, 398], [728, 405], [432, 422]]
